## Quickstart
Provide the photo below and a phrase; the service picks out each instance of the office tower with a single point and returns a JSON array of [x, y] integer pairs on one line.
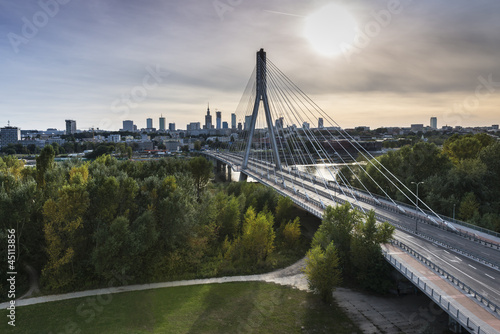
[[208, 119], [305, 126], [171, 126], [225, 125], [320, 123], [128, 126], [218, 119], [149, 123], [434, 123], [240, 127], [233, 121], [279, 123], [248, 122], [70, 127], [10, 135], [162, 123]]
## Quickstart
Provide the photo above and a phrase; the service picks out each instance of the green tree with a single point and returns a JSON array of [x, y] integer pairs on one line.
[[44, 162], [323, 271], [201, 169]]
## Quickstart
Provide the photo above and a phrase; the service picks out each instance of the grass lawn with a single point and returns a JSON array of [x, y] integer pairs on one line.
[[250, 307]]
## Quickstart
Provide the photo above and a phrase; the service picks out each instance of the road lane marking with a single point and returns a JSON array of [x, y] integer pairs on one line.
[[446, 251], [472, 267], [459, 259], [490, 276]]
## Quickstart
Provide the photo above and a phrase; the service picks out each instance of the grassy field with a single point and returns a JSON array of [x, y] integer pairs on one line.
[[217, 308]]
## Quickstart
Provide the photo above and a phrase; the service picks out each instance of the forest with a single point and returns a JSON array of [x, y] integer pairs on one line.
[[80, 224], [461, 179]]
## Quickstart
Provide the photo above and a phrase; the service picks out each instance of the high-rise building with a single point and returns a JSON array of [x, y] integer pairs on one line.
[[320, 123], [149, 123], [171, 126], [305, 126], [208, 119], [240, 127], [279, 123], [10, 135], [70, 127], [128, 126], [233, 121], [162, 123], [218, 119], [248, 122], [225, 125], [434, 123]]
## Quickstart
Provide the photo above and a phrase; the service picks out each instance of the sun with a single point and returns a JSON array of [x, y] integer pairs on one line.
[[329, 28]]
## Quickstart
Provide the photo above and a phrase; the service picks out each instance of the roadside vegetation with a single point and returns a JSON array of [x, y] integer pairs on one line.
[[461, 178]]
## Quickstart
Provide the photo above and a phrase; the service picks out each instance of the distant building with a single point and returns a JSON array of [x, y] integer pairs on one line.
[[10, 135], [233, 121], [128, 126], [70, 127], [417, 127], [279, 123], [320, 123], [494, 126], [208, 119], [248, 122], [225, 125], [240, 127], [306, 126], [434, 123], [193, 126], [114, 138], [362, 128], [149, 123], [162, 123], [171, 126], [218, 119]]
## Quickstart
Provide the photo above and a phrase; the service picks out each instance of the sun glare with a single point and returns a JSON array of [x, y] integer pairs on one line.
[[330, 27]]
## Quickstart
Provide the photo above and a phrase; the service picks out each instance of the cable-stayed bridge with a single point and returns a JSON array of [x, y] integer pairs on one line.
[[287, 142]]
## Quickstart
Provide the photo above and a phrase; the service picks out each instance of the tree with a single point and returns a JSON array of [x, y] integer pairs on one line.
[[44, 162], [63, 219], [291, 233], [323, 271], [201, 169]]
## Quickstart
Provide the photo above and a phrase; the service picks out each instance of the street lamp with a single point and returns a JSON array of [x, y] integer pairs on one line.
[[417, 183], [416, 204]]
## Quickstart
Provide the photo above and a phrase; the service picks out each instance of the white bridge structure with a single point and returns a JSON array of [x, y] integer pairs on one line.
[[456, 264]]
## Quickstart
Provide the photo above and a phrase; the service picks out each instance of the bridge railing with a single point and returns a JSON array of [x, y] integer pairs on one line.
[[439, 299], [467, 289]]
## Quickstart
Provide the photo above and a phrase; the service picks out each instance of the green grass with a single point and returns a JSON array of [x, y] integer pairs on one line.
[[249, 307]]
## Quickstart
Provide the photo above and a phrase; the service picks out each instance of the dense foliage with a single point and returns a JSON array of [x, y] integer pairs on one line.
[[347, 247], [462, 177], [80, 224]]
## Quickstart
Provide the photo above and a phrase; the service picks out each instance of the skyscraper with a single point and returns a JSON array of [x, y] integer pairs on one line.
[[225, 125], [233, 121], [248, 122], [208, 119], [149, 123], [128, 126], [434, 123], [218, 119], [162, 123], [320, 123], [70, 127], [171, 126]]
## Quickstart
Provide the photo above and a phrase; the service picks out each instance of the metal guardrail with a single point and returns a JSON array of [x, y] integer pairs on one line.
[[467, 289], [435, 296], [443, 244]]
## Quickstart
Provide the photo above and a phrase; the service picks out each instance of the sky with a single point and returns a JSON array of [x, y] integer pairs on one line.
[[100, 62]]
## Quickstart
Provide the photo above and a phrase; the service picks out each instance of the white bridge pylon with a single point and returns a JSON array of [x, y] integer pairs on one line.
[[261, 95]]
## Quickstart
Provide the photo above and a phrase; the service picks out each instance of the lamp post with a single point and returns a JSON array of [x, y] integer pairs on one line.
[[416, 204]]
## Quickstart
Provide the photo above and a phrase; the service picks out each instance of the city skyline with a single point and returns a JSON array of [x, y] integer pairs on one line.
[[102, 62]]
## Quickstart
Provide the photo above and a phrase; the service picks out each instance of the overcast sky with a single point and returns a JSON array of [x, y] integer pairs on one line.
[[75, 59]]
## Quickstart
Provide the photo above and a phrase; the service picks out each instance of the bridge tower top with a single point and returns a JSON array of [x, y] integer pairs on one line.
[[261, 95]]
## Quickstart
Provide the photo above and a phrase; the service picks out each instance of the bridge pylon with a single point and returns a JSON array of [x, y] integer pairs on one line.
[[261, 95]]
